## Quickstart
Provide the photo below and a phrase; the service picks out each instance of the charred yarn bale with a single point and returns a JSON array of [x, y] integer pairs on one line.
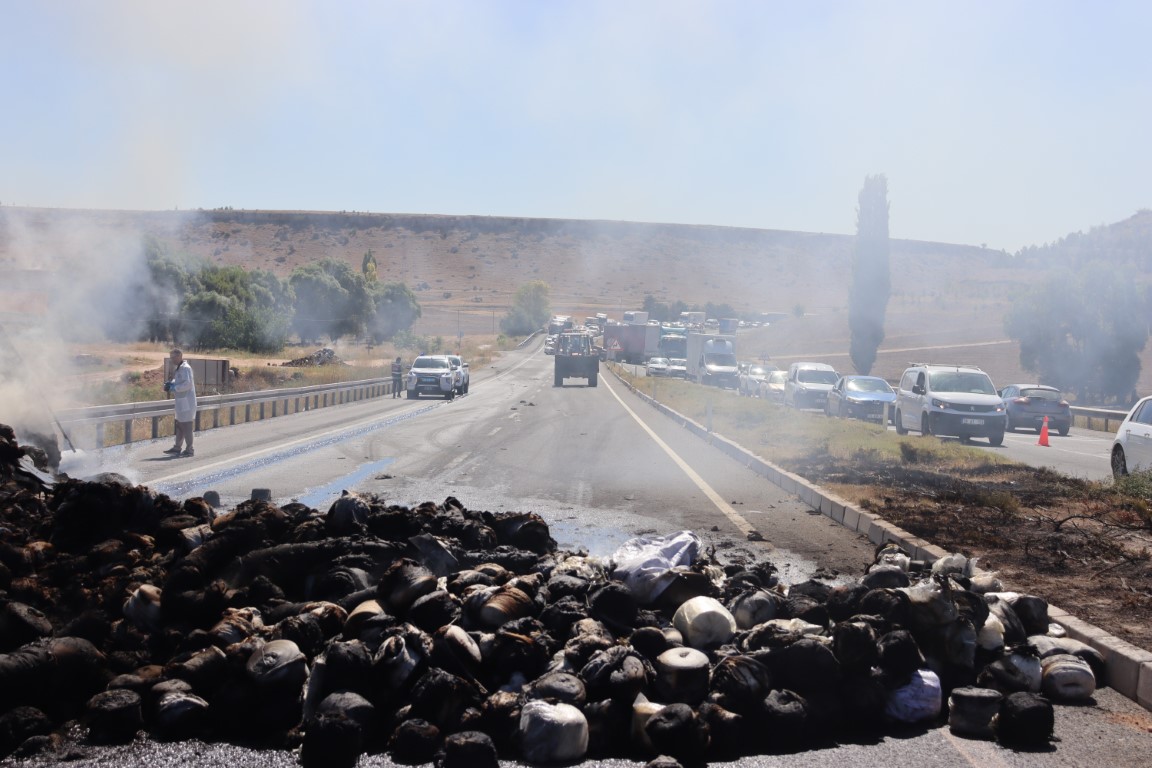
[[806, 667], [900, 656], [441, 698], [523, 530], [676, 731], [1024, 720], [740, 683], [114, 717], [618, 673], [614, 605], [468, 749], [414, 742], [85, 513], [19, 724]]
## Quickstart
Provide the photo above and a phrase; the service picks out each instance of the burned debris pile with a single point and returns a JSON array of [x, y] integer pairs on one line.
[[325, 356], [439, 632]]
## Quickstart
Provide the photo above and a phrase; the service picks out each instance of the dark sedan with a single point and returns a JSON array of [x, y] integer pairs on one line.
[[1028, 404], [860, 397]]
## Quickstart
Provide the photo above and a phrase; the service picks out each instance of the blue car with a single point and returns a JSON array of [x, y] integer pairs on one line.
[[861, 397]]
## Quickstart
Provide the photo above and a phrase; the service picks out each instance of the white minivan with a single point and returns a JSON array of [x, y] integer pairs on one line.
[[950, 400]]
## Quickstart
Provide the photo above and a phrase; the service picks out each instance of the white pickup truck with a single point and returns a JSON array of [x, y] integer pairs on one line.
[[431, 375]]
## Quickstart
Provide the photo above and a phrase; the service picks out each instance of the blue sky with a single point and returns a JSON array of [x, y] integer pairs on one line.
[[1005, 123]]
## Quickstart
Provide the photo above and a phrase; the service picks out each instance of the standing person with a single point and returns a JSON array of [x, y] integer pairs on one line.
[[184, 388], [397, 374]]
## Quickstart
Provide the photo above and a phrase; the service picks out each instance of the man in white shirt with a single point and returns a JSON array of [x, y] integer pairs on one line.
[[183, 389]]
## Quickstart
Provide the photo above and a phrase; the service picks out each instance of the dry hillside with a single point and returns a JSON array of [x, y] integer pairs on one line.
[[465, 270]]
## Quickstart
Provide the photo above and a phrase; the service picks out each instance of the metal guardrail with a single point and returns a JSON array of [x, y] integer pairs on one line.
[[86, 426], [1102, 419]]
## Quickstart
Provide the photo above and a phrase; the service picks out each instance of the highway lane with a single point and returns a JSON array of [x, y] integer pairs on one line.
[[600, 466]]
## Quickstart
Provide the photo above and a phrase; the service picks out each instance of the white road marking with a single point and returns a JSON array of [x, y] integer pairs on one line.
[[494, 431], [205, 468], [733, 516]]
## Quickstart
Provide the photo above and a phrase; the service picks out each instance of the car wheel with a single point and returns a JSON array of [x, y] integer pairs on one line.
[[1119, 463], [592, 379], [451, 394], [558, 381], [1063, 431], [996, 439], [1010, 427], [925, 426], [900, 425]]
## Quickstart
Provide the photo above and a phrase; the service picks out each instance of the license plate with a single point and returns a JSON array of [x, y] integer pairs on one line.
[[974, 422]]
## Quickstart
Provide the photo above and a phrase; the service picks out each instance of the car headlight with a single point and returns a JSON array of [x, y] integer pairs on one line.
[[939, 404], [1000, 408]]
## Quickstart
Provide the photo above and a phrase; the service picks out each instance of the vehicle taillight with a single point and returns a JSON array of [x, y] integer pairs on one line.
[[1022, 401], [1064, 404]]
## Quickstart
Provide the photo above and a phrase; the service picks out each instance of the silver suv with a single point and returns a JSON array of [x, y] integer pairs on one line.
[[950, 400]]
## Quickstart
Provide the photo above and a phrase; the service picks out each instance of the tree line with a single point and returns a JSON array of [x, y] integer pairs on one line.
[[206, 306]]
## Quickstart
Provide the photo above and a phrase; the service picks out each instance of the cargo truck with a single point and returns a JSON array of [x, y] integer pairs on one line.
[[712, 359], [631, 343]]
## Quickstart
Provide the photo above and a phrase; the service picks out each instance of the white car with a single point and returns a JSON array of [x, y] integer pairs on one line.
[[1132, 448], [463, 377], [431, 375], [657, 366], [678, 367], [808, 385], [751, 378]]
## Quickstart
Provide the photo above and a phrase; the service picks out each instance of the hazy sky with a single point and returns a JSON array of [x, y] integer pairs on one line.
[[998, 122]]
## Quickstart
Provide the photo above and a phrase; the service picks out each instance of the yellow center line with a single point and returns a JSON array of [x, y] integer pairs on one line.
[[733, 516]]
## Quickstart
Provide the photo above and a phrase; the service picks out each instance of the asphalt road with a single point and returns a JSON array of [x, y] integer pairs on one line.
[[600, 466]]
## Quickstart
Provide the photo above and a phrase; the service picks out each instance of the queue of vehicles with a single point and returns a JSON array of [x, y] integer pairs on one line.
[[948, 400]]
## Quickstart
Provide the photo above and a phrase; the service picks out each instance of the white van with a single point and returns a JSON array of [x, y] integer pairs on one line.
[[950, 400], [808, 385]]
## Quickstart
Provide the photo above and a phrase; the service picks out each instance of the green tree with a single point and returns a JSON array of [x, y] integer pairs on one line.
[[331, 300], [396, 309], [531, 308], [1082, 331], [871, 286]]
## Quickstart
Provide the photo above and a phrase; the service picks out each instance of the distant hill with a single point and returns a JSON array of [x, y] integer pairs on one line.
[[465, 269], [1125, 242]]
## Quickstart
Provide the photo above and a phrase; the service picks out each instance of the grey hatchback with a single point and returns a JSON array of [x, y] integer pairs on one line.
[[1028, 404]]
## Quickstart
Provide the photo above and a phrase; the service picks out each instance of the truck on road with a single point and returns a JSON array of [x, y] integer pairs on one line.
[[712, 359], [632, 343], [575, 359]]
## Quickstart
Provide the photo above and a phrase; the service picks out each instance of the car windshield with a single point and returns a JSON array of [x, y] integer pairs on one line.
[[777, 377], [678, 361], [815, 376], [430, 362], [867, 385], [1041, 394], [658, 361], [962, 381], [757, 370]]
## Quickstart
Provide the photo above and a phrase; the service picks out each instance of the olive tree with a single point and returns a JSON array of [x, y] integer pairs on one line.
[[530, 310]]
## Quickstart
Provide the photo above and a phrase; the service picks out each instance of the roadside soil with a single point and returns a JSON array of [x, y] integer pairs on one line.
[[1074, 543]]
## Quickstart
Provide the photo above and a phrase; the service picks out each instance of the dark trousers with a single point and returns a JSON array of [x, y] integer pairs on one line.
[[397, 385]]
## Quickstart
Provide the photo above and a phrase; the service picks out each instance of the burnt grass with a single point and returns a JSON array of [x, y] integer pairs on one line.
[[1082, 546]]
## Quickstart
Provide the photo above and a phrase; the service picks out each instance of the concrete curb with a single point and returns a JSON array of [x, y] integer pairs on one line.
[[1129, 668]]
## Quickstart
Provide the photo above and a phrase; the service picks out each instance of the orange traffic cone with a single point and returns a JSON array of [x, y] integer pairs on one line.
[[1043, 434]]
